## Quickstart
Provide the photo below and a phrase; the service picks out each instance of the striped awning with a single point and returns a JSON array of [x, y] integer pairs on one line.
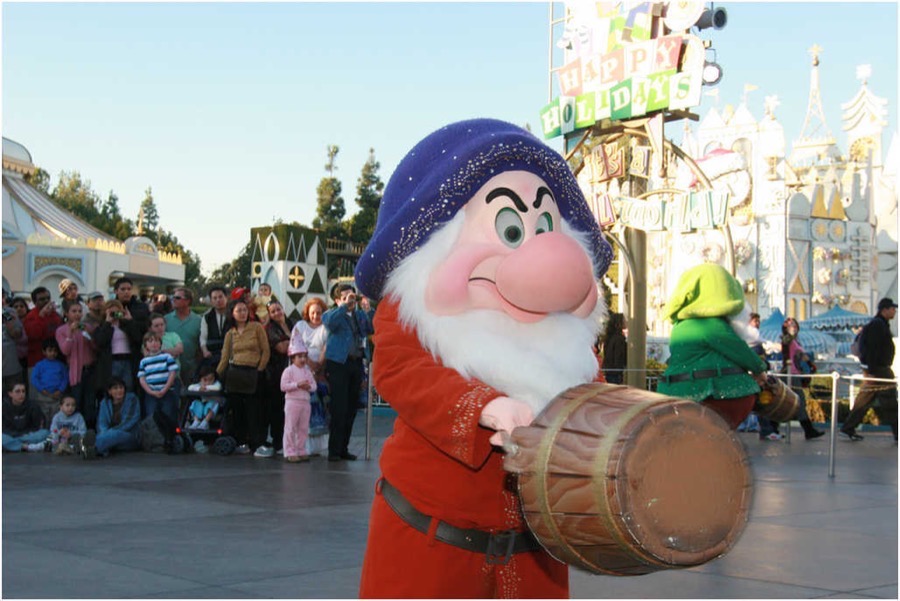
[[47, 216], [811, 340], [836, 318]]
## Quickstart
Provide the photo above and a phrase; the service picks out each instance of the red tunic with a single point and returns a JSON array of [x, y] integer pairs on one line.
[[440, 459]]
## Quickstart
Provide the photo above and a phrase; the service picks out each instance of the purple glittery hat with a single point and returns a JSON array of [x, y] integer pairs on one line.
[[442, 173]]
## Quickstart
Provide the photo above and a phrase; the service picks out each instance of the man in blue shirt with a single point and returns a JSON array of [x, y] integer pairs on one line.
[[347, 330]]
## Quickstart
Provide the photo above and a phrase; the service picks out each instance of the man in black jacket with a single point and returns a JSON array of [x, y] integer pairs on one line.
[[877, 358]]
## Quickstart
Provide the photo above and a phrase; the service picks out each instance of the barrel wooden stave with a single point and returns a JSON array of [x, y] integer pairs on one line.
[[784, 404], [576, 491]]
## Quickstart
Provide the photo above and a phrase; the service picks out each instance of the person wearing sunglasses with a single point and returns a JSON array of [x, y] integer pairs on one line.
[[186, 324]]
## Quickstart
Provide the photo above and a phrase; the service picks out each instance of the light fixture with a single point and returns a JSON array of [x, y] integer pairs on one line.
[[712, 73], [713, 17]]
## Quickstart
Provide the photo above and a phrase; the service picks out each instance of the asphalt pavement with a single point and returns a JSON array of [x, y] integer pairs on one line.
[[140, 525]]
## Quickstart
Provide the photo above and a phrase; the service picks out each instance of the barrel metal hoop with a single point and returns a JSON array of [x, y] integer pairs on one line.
[[600, 467], [543, 463]]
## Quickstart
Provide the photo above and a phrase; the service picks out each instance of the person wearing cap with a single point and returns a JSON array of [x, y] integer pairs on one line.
[[297, 382], [68, 294], [877, 359], [483, 263]]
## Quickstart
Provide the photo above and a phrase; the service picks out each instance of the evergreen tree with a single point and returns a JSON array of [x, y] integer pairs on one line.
[[329, 203], [369, 190], [150, 222]]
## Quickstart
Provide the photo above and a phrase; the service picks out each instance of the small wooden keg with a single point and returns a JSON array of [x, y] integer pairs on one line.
[[776, 401], [622, 481]]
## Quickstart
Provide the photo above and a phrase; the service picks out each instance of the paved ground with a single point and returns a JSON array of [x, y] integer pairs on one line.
[[202, 526]]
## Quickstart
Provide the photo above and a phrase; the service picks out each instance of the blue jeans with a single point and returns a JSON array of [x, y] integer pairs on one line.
[[121, 368], [116, 440], [168, 404], [15, 443]]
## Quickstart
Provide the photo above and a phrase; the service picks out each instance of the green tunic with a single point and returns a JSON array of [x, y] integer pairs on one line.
[[709, 343]]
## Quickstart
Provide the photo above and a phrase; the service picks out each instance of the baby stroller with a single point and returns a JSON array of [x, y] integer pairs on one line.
[[218, 435]]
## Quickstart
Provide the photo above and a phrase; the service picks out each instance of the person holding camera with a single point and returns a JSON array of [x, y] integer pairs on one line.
[[40, 325], [77, 346], [117, 342], [347, 330]]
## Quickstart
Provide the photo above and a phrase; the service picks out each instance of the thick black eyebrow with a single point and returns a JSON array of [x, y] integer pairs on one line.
[[510, 194], [539, 197]]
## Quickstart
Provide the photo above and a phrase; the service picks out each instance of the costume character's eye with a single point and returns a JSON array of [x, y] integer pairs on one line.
[[544, 223], [509, 227]]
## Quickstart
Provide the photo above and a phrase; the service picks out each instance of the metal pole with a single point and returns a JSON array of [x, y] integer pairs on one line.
[[835, 376], [369, 397]]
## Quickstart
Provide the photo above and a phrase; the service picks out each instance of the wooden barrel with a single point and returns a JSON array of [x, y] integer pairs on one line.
[[776, 401], [622, 481]]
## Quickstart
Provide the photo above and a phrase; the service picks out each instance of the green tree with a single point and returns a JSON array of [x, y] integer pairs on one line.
[[149, 216], [40, 179], [76, 196], [369, 190], [236, 273], [112, 221], [330, 209]]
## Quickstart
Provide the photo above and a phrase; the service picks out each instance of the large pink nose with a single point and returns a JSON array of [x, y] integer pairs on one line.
[[549, 273]]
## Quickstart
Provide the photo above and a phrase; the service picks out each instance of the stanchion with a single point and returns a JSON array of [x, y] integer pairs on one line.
[[835, 376], [369, 397]]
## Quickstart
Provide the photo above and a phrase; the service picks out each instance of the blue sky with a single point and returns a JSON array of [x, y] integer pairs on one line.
[[226, 109]]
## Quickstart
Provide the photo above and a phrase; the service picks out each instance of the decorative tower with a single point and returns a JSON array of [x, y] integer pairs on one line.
[[816, 144]]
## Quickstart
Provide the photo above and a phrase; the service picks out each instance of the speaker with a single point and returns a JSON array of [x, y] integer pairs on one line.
[[716, 18]]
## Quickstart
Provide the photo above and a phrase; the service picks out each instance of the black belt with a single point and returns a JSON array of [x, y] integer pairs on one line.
[[498, 546], [121, 356], [700, 374]]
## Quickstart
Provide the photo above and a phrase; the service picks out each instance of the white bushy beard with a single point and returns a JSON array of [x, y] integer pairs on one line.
[[740, 323], [532, 362]]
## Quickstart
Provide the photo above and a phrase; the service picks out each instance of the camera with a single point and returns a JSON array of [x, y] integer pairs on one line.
[[118, 314]]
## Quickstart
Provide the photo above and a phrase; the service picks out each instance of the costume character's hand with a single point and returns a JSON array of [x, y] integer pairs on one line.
[[504, 415]]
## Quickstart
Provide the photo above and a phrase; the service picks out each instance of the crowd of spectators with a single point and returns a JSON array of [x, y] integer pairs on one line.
[[83, 375]]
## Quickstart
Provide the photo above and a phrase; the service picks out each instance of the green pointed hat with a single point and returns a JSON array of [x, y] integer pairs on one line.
[[706, 290]]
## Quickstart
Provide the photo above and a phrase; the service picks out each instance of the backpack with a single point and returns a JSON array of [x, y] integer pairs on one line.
[[858, 346]]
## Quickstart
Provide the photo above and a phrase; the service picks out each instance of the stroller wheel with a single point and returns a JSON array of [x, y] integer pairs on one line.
[[224, 445]]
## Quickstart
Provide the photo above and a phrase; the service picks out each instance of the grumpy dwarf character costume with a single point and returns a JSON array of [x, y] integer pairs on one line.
[[484, 257], [709, 362]]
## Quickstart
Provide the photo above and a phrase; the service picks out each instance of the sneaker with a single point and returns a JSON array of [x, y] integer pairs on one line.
[[814, 434], [773, 436], [200, 447], [35, 447], [279, 452], [88, 450], [204, 425], [264, 451], [195, 424], [851, 434], [242, 449]]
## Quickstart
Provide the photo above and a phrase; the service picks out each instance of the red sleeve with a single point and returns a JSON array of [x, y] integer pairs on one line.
[[436, 401]]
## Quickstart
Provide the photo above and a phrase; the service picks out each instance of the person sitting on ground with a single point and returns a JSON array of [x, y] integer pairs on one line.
[[204, 409], [297, 381], [49, 379], [118, 424], [24, 425], [67, 427], [158, 375]]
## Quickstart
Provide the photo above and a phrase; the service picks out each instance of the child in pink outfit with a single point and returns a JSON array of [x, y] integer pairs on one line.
[[297, 381]]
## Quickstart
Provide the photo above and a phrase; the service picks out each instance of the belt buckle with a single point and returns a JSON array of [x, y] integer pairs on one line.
[[500, 547]]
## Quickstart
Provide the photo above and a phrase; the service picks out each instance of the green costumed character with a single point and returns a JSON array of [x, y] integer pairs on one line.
[[709, 362]]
